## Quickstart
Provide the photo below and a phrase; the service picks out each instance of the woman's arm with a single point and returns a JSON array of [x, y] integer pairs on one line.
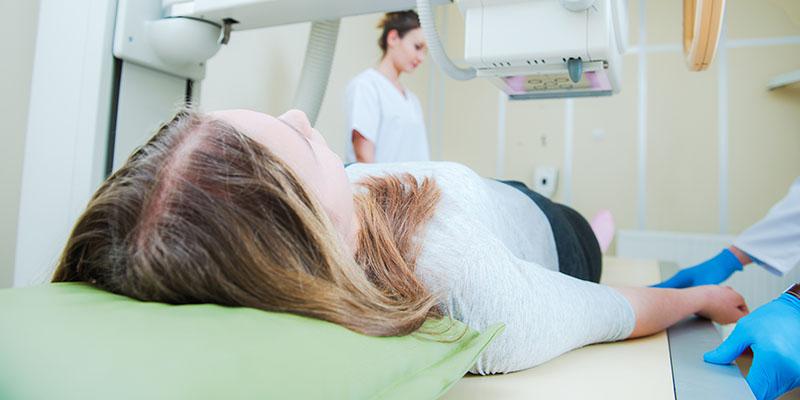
[[658, 309], [546, 313], [363, 148]]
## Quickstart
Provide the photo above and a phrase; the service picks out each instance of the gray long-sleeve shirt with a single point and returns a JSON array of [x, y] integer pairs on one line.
[[489, 253]]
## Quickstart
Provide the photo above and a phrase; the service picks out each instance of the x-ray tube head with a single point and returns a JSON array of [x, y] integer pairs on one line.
[[541, 49]]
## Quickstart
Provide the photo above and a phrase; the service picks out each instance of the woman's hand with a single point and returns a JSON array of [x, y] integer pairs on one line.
[[721, 304], [658, 309]]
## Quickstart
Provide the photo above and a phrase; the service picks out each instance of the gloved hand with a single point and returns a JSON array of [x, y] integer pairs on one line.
[[772, 332], [709, 272]]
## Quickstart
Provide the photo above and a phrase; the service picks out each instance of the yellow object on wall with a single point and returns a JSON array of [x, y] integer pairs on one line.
[[702, 22]]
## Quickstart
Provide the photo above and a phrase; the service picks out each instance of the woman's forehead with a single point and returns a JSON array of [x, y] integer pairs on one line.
[[245, 120], [270, 132], [415, 35], [260, 127]]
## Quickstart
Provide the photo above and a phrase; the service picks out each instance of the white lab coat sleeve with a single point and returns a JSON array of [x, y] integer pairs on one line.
[[363, 109], [774, 241]]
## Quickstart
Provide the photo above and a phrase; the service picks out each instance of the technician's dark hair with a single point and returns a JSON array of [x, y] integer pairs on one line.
[[400, 21]]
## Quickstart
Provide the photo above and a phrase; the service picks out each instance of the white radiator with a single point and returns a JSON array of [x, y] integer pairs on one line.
[[685, 249]]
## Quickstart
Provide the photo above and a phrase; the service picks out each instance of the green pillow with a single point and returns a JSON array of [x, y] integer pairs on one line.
[[72, 341]]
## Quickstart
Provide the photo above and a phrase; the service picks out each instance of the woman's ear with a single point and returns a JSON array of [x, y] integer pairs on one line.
[[392, 38]]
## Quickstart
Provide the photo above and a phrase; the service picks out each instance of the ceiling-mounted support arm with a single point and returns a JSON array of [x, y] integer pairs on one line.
[[316, 68], [435, 45]]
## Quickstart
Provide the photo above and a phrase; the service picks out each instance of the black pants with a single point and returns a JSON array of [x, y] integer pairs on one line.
[[576, 245]]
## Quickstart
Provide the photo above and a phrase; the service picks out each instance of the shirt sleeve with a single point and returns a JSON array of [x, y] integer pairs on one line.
[[774, 241], [363, 109], [546, 313]]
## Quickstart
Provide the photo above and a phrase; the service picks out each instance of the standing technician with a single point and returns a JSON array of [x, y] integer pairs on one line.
[[384, 118]]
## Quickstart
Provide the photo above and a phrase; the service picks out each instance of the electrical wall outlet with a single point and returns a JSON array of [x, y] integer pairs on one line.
[[545, 180]]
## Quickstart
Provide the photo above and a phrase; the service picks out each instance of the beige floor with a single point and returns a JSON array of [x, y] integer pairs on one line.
[[634, 369]]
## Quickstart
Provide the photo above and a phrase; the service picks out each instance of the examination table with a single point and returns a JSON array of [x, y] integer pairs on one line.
[[668, 365]]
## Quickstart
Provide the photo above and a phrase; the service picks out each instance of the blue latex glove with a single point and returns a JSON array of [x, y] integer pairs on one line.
[[773, 333], [710, 272]]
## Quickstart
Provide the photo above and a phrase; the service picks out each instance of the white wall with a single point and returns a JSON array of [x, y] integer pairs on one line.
[[19, 32]]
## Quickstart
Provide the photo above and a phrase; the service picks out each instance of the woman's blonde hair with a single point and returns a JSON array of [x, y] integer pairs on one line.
[[204, 214]]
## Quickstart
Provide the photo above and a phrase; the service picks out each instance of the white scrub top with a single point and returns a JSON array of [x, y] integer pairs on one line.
[[774, 241], [388, 118]]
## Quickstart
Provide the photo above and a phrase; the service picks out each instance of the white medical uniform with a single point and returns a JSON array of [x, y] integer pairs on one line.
[[390, 119], [774, 241]]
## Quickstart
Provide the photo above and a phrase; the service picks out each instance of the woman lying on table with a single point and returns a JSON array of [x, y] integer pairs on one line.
[[239, 208]]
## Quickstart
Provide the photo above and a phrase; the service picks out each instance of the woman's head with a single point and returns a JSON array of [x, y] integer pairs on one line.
[[292, 139], [224, 208], [402, 40]]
